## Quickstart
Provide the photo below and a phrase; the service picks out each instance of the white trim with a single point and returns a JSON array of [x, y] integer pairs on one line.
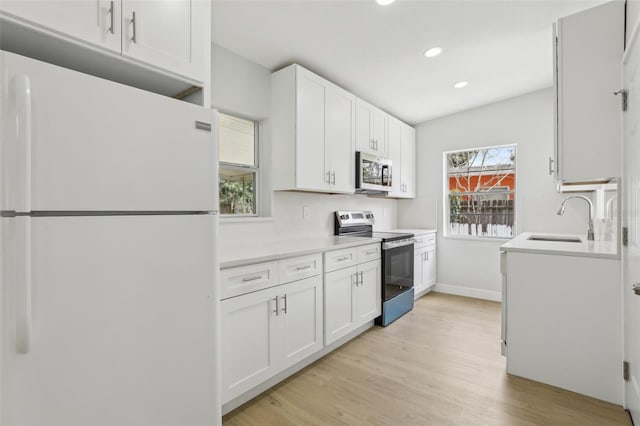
[[446, 193], [476, 293]]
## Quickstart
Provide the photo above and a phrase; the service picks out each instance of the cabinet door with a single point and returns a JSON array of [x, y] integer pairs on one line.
[[364, 126], [311, 172], [430, 266], [171, 35], [301, 317], [339, 303], [371, 129], [418, 271], [408, 166], [379, 132], [369, 292], [590, 49], [95, 22], [394, 144], [340, 139], [249, 351]]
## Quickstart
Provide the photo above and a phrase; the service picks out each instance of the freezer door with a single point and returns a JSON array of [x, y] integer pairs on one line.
[[74, 142], [123, 321]]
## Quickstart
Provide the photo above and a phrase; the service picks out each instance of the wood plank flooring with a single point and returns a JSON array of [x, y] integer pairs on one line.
[[438, 365]]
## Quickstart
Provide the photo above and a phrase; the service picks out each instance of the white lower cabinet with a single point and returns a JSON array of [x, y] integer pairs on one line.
[[353, 296], [562, 322], [267, 331], [279, 315], [247, 341], [340, 303], [424, 263]]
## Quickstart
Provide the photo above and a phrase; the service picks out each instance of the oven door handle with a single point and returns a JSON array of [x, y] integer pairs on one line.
[[396, 244]]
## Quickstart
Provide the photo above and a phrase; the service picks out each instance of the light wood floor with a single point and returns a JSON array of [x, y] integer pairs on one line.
[[438, 365]]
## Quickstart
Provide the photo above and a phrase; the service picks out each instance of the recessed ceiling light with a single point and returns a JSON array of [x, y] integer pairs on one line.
[[460, 84], [434, 51], [384, 2]]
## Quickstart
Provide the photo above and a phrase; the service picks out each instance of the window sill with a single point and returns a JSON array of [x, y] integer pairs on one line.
[[245, 219]]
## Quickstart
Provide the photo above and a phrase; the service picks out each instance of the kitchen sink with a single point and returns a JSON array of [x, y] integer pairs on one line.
[[559, 238]]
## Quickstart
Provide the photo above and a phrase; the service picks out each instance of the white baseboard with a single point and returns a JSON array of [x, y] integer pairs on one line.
[[476, 293]]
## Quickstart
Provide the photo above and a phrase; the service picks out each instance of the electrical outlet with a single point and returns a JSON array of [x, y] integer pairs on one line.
[[305, 212]]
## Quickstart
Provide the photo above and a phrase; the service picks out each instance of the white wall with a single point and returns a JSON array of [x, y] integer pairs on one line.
[[472, 267], [243, 87]]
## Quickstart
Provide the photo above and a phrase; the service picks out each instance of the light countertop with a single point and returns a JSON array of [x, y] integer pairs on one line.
[[260, 251], [522, 244], [415, 231]]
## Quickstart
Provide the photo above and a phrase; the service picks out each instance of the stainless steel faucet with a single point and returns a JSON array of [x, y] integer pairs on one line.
[[590, 235]]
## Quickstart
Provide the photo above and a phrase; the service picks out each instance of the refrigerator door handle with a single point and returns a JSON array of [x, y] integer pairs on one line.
[[23, 284], [23, 150]]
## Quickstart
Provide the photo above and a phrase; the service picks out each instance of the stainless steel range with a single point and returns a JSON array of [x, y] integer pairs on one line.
[[397, 262]]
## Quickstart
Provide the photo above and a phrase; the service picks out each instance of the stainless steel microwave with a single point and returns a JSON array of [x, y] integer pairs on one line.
[[373, 174]]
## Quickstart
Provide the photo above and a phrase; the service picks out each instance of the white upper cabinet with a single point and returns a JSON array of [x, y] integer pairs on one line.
[[402, 147], [395, 155], [408, 163], [588, 51], [312, 133], [170, 36], [339, 137], [167, 34], [95, 22], [371, 129]]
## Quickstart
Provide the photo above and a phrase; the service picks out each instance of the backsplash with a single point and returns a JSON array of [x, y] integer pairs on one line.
[[287, 220]]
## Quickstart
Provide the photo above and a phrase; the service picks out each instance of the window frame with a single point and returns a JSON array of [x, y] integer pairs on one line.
[[245, 168], [446, 194]]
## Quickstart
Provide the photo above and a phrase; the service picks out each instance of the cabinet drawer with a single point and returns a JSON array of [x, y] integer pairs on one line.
[[368, 252], [338, 259], [424, 240], [299, 267], [245, 279]]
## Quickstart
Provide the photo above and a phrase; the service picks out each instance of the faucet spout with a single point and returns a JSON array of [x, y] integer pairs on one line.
[[590, 233]]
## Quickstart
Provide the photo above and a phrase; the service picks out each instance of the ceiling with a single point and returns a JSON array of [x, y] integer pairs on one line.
[[502, 48]]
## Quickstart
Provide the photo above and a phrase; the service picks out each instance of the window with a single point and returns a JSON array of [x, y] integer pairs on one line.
[[480, 188], [238, 165]]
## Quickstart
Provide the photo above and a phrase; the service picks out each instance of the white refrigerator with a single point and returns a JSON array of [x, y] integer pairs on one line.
[[108, 297]]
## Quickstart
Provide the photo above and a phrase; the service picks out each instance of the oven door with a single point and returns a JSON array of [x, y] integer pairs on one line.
[[397, 268]]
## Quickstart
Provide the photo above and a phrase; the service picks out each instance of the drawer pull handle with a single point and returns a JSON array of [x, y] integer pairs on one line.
[[284, 300], [302, 268], [340, 259], [276, 310], [247, 279], [371, 252]]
